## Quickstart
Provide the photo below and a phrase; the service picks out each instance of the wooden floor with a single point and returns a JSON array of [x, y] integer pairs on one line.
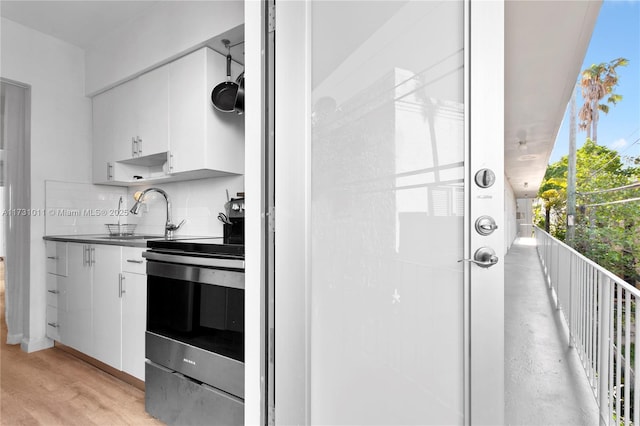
[[52, 387]]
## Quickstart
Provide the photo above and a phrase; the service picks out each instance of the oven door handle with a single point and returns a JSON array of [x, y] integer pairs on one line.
[[211, 262]]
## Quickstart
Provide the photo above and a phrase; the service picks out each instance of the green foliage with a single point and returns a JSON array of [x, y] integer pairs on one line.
[[597, 82], [607, 234]]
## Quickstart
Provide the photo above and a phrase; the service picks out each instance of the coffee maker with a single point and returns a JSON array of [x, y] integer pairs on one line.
[[234, 231]]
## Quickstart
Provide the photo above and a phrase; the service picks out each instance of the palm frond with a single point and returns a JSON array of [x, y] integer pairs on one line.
[[614, 98]]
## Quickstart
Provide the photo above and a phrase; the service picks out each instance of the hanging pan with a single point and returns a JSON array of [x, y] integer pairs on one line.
[[224, 94], [239, 103]]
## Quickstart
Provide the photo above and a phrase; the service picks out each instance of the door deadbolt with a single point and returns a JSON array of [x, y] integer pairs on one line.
[[485, 178], [485, 225], [484, 257]]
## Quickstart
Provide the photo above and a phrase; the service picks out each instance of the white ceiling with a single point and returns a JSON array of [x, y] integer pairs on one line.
[[80, 23], [545, 43]]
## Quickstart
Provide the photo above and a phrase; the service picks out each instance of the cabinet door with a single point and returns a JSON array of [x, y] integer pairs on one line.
[[125, 126], [153, 112], [114, 127], [201, 137], [107, 323], [189, 103], [134, 320], [104, 122], [76, 320]]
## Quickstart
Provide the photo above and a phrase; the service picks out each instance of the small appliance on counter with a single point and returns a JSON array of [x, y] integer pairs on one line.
[[234, 224]]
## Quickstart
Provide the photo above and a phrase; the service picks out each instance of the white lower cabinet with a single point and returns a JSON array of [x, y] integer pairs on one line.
[[76, 321], [134, 311], [134, 320], [99, 307], [56, 282], [107, 305]]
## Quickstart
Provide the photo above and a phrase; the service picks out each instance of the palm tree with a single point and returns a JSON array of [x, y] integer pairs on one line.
[[597, 82]]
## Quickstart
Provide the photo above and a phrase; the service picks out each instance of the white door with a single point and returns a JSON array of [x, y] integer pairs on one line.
[[380, 131]]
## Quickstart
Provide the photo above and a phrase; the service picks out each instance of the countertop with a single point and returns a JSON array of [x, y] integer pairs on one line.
[[128, 241]]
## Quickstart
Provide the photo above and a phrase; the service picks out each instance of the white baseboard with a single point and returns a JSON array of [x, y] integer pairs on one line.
[[14, 339], [36, 344]]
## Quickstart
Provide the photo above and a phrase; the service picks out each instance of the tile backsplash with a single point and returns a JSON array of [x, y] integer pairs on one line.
[[198, 202], [80, 208]]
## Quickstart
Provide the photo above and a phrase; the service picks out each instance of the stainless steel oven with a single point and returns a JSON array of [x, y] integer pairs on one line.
[[195, 332]]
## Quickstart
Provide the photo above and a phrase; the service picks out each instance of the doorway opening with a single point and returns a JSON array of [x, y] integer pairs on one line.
[[15, 165]]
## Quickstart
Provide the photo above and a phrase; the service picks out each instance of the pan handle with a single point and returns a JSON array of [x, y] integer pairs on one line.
[[228, 67]]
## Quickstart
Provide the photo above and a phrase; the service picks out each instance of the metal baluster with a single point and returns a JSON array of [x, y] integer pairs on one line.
[[571, 319], [556, 268], [627, 356], [590, 321], [612, 292], [618, 348], [581, 312], [603, 358], [636, 375]]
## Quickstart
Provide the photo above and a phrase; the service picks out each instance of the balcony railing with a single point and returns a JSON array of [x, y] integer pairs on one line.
[[600, 312]]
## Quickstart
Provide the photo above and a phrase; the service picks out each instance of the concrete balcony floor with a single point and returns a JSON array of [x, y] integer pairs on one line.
[[545, 383]]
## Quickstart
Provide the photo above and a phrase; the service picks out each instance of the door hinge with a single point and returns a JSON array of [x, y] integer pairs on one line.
[[272, 18], [272, 416], [272, 346], [271, 219]]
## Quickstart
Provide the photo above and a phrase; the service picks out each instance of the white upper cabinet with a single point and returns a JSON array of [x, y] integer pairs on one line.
[[163, 126], [130, 124], [200, 136], [113, 128], [152, 113]]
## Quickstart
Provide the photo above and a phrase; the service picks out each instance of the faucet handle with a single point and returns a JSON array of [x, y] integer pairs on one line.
[[172, 227]]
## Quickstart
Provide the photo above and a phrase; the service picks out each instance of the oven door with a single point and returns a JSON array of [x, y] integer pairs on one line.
[[195, 321]]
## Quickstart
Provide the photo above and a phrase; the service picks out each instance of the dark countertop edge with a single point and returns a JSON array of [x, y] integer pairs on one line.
[[99, 239]]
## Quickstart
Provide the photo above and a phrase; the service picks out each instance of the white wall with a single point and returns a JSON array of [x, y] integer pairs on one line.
[[510, 222], [60, 138], [168, 30]]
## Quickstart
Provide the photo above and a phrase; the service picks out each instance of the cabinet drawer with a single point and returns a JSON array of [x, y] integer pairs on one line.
[[132, 260], [53, 324], [56, 253]]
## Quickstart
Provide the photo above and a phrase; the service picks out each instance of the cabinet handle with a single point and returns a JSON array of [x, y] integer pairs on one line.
[[109, 171], [92, 256], [170, 162], [139, 145], [53, 291], [134, 148], [121, 289], [53, 324], [52, 257], [135, 261], [84, 255]]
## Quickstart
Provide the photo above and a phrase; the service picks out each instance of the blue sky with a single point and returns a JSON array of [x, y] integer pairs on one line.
[[617, 34]]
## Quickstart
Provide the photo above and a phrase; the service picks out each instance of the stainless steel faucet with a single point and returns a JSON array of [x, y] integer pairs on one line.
[[169, 227]]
